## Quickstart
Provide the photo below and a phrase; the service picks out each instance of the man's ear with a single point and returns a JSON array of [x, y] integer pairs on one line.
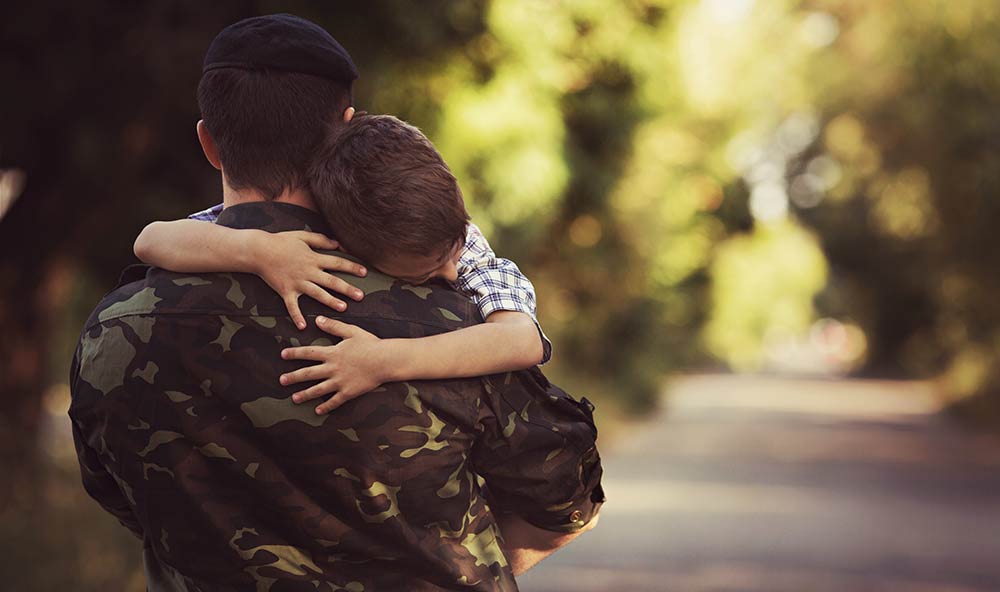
[[348, 114], [208, 145]]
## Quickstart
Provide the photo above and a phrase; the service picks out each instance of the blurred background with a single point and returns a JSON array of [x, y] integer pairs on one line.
[[763, 234]]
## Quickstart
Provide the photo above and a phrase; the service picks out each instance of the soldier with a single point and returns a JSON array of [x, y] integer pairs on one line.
[[185, 434]]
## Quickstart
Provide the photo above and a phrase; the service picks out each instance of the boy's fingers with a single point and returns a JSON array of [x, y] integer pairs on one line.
[[319, 241], [314, 392], [292, 304], [303, 374], [333, 402], [340, 286], [316, 353], [334, 263], [325, 298], [338, 328]]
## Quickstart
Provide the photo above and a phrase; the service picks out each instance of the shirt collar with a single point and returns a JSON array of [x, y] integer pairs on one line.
[[273, 217]]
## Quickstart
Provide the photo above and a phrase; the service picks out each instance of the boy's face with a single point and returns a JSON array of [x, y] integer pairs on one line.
[[417, 269]]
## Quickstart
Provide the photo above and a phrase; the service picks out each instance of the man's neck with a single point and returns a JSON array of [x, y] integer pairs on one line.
[[232, 197]]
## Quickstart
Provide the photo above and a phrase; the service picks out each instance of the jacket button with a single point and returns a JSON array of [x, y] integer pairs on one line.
[[575, 516]]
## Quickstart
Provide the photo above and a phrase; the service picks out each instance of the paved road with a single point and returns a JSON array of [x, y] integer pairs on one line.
[[764, 484]]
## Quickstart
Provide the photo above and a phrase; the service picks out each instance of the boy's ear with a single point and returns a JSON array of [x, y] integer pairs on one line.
[[208, 145]]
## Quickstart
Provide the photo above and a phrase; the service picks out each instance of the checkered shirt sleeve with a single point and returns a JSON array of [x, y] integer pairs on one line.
[[208, 215], [495, 283]]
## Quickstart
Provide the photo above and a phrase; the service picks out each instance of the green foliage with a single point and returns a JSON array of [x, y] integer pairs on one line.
[[910, 227], [613, 153], [762, 287]]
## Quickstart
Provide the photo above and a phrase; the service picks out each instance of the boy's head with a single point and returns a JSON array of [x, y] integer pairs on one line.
[[390, 198], [270, 87]]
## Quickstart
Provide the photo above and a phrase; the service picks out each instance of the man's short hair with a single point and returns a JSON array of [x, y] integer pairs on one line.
[[266, 123], [386, 191]]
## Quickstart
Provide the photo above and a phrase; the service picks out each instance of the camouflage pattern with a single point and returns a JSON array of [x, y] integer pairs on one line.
[[184, 434]]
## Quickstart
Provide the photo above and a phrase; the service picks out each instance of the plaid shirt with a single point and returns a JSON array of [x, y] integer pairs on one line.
[[492, 282]]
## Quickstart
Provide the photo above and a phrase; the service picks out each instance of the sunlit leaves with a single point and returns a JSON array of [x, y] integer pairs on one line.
[[763, 284]]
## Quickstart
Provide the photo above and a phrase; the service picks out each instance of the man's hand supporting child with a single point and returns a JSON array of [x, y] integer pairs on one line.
[[361, 361]]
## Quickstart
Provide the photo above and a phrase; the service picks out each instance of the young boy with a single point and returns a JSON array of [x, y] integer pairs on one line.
[[392, 202]]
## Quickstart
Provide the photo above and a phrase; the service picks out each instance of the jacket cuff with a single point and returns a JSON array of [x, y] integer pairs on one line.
[[572, 515]]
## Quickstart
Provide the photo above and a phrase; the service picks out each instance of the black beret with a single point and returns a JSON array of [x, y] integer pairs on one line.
[[281, 42]]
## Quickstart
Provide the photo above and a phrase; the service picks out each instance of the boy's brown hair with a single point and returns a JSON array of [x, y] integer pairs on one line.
[[386, 191]]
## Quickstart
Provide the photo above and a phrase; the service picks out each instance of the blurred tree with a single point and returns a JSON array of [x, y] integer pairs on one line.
[[909, 225], [763, 286], [875, 125], [97, 119]]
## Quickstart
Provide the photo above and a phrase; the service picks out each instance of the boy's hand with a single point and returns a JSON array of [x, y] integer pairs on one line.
[[349, 369], [288, 263]]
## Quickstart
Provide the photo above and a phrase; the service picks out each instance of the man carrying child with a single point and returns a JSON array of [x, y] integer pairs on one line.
[[183, 411]]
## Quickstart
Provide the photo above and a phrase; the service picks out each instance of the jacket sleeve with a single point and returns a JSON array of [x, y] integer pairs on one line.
[[100, 483], [538, 453]]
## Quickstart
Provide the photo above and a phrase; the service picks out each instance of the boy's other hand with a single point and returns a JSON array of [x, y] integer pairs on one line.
[[288, 263], [349, 369]]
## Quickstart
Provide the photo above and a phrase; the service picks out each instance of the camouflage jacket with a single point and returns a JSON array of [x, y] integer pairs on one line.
[[184, 434]]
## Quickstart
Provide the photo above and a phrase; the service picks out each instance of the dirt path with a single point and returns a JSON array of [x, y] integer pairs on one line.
[[766, 484]]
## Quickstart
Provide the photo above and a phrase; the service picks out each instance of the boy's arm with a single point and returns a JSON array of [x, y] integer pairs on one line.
[[510, 339], [497, 284], [507, 341], [285, 260]]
